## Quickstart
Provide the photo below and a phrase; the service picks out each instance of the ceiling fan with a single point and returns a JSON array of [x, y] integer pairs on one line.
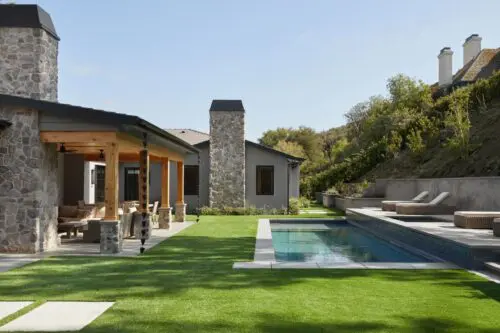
[[63, 150]]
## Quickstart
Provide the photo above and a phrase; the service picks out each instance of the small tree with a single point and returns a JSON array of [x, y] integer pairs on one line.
[[457, 121]]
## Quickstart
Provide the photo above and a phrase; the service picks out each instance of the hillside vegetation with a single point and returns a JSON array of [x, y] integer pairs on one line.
[[411, 132]]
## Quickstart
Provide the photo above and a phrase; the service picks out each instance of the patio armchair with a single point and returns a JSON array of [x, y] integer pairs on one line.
[[420, 208], [390, 205], [475, 220]]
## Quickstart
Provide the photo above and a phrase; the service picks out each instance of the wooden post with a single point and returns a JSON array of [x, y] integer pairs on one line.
[[165, 183], [111, 181], [180, 182], [144, 181]]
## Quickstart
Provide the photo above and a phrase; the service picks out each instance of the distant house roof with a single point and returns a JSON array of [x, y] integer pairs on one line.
[[198, 138], [26, 16], [120, 120], [227, 105], [191, 136], [481, 67]]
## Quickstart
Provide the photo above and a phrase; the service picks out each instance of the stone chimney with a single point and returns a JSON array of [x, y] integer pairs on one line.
[[472, 47], [227, 154], [445, 67], [28, 52]]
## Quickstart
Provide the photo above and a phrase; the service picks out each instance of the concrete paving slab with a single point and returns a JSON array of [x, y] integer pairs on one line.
[[388, 265], [8, 308], [347, 265], [294, 265], [8, 262], [252, 265], [58, 316]]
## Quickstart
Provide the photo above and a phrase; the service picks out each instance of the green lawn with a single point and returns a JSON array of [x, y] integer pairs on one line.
[[186, 284]]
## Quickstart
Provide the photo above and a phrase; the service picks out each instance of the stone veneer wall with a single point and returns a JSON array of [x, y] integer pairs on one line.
[[28, 185], [28, 63], [29, 192], [227, 159]]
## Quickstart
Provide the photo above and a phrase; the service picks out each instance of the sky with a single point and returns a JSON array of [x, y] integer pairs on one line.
[[292, 62]]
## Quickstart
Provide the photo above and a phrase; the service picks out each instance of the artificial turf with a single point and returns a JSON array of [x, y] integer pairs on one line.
[[187, 284]]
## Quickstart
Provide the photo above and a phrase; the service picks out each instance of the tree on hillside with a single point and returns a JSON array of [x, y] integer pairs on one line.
[[291, 148]]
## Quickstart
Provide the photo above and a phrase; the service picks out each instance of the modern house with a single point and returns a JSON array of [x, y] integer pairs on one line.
[[228, 171], [45, 144], [477, 64]]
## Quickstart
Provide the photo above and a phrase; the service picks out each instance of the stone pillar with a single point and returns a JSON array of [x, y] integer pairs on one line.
[[111, 239], [227, 154], [165, 217], [180, 212]]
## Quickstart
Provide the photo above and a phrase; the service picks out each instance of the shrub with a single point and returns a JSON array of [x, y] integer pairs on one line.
[[304, 202], [293, 206], [250, 210]]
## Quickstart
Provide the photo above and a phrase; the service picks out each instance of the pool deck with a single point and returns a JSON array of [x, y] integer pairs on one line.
[[474, 238], [264, 257]]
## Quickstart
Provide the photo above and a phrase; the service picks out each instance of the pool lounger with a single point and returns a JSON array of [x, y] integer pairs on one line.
[[390, 205], [433, 207]]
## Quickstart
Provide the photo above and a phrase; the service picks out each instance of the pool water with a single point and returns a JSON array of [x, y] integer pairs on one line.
[[334, 243]]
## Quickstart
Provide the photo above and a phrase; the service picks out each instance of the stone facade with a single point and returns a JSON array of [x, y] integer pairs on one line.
[[111, 240], [28, 63], [29, 186], [227, 159], [29, 192], [164, 218], [180, 212]]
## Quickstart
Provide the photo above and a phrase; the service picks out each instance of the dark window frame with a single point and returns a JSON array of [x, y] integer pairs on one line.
[[192, 189], [258, 189]]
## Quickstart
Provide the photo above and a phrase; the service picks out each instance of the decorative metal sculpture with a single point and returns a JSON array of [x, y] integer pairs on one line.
[[144, 184]]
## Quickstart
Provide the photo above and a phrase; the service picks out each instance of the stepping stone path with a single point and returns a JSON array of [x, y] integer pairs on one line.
[[8, 308], [57, 316]]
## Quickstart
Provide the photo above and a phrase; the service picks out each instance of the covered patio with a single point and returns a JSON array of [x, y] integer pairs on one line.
[[108, 138]]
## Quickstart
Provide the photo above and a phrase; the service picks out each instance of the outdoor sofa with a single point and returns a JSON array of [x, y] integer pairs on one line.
[[433, 207], [390, 205]]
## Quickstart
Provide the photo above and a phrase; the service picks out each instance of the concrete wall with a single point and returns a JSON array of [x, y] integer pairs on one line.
[[348, 202], [470, 193]]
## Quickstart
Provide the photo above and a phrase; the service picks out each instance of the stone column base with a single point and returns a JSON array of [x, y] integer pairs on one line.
[[138, 226], [165, 217], [111, 239], [180, 212]]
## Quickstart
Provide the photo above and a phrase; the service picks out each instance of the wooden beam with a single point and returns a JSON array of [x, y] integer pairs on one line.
[[76, 137], [180, 182], [111, 182], [124, 157], [144, 181], [131, 144], [165, 183]]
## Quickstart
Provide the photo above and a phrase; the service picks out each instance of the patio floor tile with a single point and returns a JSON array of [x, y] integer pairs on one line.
[[58, 316]]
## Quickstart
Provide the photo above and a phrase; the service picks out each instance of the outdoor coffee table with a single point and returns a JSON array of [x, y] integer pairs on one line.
[[72, 226]]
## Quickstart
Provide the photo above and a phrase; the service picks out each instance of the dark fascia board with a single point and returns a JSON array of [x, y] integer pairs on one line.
[[263, 147], [26, 16], [92, 115]]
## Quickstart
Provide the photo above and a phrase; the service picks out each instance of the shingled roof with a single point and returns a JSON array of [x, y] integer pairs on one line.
[[191, 136], [481, 67]]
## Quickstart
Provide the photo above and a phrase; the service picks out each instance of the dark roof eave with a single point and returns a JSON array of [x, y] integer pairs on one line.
[[166, 135], [266, 148]]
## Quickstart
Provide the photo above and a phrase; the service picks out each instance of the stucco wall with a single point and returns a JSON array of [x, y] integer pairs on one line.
[[472, 193], [255, 157]]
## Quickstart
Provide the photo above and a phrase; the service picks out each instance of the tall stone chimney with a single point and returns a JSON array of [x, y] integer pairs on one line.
[[472, 47], [445, 67], [28, 52], [227, 154]]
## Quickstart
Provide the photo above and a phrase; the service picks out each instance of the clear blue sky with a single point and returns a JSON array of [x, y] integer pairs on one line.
[[292, 62]]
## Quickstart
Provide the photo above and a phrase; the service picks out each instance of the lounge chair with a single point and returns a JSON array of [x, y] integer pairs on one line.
[[475, 220], [421, 208], [389, 205]]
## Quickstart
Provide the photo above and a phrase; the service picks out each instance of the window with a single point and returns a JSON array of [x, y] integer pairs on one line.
[[265, 180], [191, 179]]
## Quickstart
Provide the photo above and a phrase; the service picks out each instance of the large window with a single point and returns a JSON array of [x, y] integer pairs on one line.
[[191, 179], [265, 180]]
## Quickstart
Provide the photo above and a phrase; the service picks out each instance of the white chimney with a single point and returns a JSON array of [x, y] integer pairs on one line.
[[472, 47], [445, 66]]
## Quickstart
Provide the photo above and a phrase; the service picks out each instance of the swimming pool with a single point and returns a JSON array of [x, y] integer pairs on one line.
[[334, 243]]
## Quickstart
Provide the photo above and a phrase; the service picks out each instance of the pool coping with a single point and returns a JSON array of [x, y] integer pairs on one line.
[[264, 256]]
